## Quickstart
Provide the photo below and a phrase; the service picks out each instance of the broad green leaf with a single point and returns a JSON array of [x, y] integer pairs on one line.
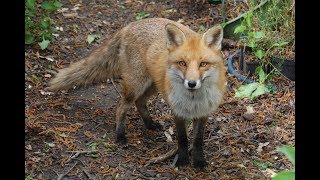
[[261, 89], [28, 38], [285, 175], [57, 4], [48, 6], [201, 27], [252, 44], [259, 54], [259, 35], [261, 73], [246, 90], [280, 44], [239, 29], [45, 22], [44, 44], [91, 38], [289, 152], [30, 3]]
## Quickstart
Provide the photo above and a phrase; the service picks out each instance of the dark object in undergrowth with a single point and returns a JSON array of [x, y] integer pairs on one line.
[[285, 66]]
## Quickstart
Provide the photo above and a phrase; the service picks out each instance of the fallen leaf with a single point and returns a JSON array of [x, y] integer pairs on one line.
[[50, 144], [250, 110], [28, 147], [170, 130], [62, 10], [44, 44], [70, 15], [91, 38], [261, 145], [169, 138]]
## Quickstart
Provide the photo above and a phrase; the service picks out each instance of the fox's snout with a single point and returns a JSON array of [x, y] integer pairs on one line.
[[192, 84]]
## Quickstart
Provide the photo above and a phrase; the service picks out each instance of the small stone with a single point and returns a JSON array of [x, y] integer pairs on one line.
[[226, 153], [269, 121], [248, 117]]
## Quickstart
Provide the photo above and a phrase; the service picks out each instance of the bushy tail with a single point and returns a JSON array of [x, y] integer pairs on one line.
[[100, 65]]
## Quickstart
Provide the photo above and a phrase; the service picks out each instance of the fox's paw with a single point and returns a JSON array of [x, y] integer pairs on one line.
[[200, 164], [154, 126], [184, 161], [121, 140]]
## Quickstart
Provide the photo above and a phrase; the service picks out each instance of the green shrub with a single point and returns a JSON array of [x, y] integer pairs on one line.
[[38, 24]]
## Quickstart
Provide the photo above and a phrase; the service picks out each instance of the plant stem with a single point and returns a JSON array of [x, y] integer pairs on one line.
[[244, 14]]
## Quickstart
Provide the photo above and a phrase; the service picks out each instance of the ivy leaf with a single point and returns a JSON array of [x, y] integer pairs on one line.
[[289, 152], [259, 35], [246, 90], [91, 38], [48, 6], [30, 3], [44, 44], [261, 89], [259, 54], [28, 38], [57, 4], [252, 44], [262, 74], [285, 175], [240, 29]]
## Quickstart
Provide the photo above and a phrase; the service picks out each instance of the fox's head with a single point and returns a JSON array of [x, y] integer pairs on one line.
[[194, 58]]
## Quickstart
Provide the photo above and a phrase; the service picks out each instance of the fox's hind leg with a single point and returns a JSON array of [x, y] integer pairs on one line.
[[143, 110], [124, 104]]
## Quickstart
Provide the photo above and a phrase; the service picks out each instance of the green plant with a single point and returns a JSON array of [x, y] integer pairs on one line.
[[255, 89], [251, 35], [289, 152], [269, 29], [29, 177], [39, 27], [141, 15]]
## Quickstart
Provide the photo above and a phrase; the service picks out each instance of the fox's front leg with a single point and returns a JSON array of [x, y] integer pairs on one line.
[[183, 156], [197, 152]]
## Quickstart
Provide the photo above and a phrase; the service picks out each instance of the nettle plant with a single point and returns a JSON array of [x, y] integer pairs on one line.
[[39, 27], [253, 90]]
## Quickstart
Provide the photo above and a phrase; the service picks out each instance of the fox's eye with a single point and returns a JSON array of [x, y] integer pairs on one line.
[[182, 63], [203, 64]]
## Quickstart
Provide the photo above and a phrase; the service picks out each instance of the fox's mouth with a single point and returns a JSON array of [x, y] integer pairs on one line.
[[192, 90]]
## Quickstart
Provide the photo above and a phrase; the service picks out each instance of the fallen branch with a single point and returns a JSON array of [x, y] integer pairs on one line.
[[87, 174], [62, 175], [77, 153]]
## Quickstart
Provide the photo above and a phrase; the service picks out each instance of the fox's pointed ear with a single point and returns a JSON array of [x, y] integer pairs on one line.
[[213, 37], [175, 37]]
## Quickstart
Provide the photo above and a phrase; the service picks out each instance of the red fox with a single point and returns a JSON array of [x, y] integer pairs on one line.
[[158, 55]]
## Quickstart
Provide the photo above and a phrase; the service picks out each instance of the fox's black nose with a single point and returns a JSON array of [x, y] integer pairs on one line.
[[192, 84]]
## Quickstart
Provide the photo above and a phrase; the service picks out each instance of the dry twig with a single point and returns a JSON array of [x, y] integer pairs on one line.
[[62, 175], [77, 153]]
